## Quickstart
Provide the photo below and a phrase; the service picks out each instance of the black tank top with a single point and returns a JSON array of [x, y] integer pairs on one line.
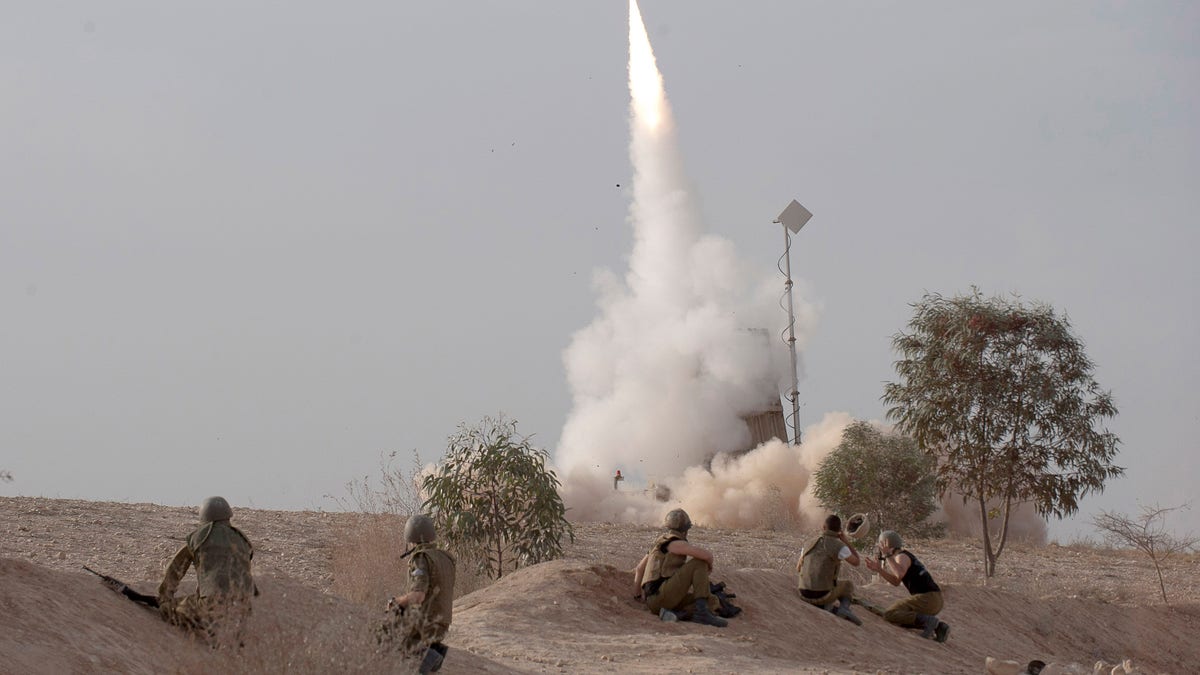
[[917, 579]]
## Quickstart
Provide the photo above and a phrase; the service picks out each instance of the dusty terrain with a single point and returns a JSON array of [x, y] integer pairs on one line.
[[1062, 604]]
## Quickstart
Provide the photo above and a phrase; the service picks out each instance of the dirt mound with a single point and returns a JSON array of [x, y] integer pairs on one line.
[[62, 622], [1057, 604], [577, 617]]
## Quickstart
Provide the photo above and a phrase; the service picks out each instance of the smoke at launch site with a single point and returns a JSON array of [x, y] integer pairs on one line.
[[684, 345]]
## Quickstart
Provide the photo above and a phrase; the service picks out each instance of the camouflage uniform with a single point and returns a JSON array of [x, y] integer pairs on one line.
[[224, 584], [430, 571]]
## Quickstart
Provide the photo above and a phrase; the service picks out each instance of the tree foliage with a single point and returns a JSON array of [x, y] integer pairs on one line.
[[885, 476], [494, 500], [1148, 534], [1001, 392]]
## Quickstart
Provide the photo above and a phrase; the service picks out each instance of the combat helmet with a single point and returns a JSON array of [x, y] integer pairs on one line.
[[892, 539], [215, 509], [677, 519], [419, 529]]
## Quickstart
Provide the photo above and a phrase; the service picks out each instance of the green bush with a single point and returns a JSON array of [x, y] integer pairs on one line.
[[885, 476], [493, 499]]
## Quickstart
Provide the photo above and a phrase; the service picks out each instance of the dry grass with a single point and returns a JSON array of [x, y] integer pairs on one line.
[[367, 567]]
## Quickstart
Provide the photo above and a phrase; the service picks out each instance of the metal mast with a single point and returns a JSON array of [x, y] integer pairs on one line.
[[793, 218]]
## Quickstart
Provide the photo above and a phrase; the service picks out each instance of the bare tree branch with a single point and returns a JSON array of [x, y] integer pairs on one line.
[[1148, 534]]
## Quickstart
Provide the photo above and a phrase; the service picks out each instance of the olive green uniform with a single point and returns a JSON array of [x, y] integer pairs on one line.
[[224, 584], [672, 581], [819, 566], [925, 599]]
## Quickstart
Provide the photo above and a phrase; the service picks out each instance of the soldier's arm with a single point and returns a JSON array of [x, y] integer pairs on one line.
[[174, 574], [681, 547], [418, 582], [853, 558], [637, 577], [893, 569]]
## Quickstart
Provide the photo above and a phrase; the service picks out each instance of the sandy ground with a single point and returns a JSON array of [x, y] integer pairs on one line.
[[1058, 604]]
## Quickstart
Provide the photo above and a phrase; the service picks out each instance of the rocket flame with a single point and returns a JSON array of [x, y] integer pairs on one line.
[[645, 82]]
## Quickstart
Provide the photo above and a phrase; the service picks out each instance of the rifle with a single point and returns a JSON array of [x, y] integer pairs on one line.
[[118, 586]]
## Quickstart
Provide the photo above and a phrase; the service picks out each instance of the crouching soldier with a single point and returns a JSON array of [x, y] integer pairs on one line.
[[224, 584], [819, 565], [421, 617], [919, 610], [673, 576]]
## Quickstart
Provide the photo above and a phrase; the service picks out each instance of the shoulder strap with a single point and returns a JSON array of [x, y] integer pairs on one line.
[[812, 546]]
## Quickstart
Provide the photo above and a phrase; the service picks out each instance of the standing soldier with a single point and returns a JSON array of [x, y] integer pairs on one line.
[[819, 564], [224, 585], [421, 617], [673, 576]]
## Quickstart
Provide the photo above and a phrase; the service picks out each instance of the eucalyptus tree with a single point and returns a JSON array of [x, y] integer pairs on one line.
[[1001, 392], [494, 500]]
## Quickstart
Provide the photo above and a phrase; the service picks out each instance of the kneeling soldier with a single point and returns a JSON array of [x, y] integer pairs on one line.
[[224, 585], [819, 565]]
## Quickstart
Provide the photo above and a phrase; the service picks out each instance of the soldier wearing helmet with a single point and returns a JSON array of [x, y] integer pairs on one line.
[[919, 610], [819, 564], [673, 578], [221, 555], [421, 617]]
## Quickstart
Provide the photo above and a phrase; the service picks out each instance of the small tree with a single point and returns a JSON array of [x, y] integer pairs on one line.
[[494, 500], [885, 476], [1001, 392], [1148, 534]]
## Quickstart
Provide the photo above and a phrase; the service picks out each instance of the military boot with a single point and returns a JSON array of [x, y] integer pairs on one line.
[[702, 615], [432, 661], [842, 609], [928, 625], [942, 632], [726, 610]]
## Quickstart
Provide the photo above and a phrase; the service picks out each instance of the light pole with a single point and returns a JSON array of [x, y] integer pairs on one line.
[[793, 218]]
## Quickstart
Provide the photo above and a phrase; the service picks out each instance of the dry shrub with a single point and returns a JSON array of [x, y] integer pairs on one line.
[[337, 647], [368, 568], [367, 564]]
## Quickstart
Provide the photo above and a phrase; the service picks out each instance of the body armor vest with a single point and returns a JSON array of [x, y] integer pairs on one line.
[[819, 568], [438, 606], [222, 556], [663, 564]]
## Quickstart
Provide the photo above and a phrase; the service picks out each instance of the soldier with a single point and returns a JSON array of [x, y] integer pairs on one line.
[[421, 617], [896, 565], [224, 585], [819, 563], [673, 577]]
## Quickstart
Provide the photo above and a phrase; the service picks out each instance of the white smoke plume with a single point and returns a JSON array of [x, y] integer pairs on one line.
[[662, 376]]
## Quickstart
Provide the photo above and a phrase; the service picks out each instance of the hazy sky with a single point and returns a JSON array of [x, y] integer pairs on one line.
[[244, 249]]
